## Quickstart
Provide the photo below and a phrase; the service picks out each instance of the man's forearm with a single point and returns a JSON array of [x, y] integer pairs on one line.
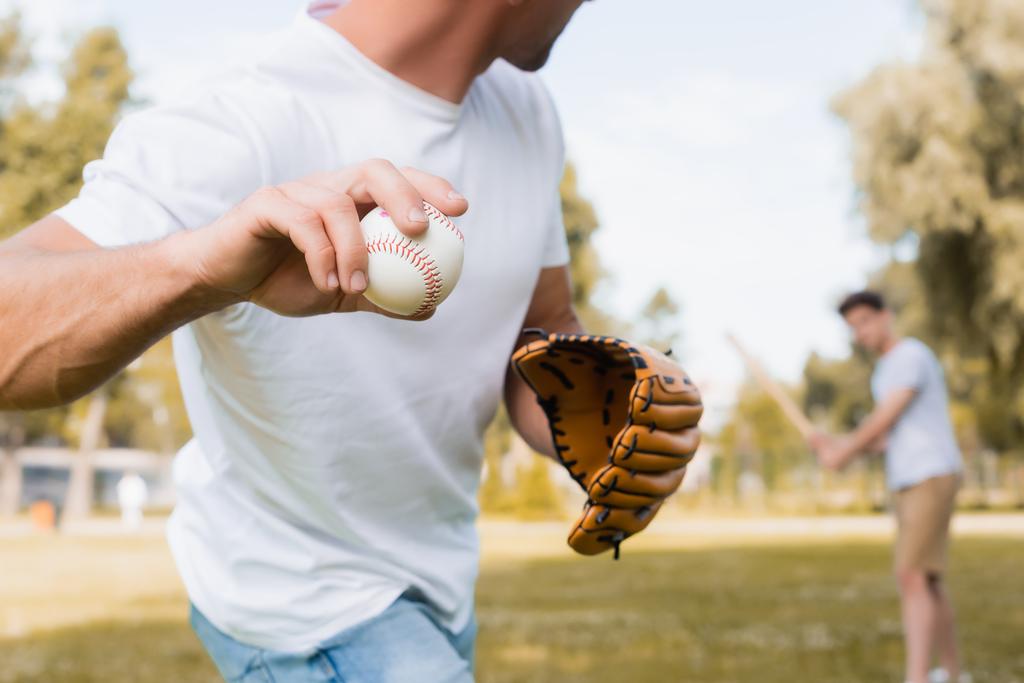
[[71, 320], [526, 415]]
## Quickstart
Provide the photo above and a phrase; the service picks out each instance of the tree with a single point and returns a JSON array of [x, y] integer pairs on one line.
[[660, 320], [15, 57], [837, 392], [80, 494], [585, 264], [938, 157], [758, 439], [43, 148]]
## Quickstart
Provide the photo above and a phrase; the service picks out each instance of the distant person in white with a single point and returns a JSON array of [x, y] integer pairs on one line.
[[132, 494], [923, 466], [325, 524]]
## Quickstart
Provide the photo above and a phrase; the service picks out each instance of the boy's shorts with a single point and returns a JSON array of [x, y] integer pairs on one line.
[[923, 514]]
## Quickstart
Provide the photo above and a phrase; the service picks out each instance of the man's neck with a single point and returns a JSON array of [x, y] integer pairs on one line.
[[890, 343], [440, 50]]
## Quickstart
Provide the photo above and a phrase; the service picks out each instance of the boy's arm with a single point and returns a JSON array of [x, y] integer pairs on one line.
[[837, 452]]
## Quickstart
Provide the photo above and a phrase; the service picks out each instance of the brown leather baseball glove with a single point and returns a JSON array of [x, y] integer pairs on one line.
[[624, 422]]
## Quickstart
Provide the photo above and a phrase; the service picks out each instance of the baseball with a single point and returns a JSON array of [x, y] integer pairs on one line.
[[407, 275]]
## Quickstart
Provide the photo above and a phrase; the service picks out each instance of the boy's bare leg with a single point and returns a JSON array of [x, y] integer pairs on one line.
[[919, 623], [945, 628]]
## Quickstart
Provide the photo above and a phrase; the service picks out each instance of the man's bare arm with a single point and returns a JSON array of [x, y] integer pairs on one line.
[[72, 314], [550, 309]]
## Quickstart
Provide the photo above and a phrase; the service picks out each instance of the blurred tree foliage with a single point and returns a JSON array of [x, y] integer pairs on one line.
[[837, 394], [758, 439], [585, 264], [15, 57], [43, 147], [939, 161], [659, 322]]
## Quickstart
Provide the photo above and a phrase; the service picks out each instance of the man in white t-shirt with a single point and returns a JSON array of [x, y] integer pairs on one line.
[[923, 467], [325, 522]]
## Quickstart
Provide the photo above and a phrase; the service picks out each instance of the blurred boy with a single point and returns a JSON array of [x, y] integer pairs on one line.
[[923, 468]]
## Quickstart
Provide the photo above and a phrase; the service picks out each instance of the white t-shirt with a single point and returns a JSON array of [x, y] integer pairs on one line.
[[336, 459], [922, 443]]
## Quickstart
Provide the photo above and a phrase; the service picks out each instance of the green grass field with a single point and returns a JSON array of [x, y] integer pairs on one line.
[[111, 610]]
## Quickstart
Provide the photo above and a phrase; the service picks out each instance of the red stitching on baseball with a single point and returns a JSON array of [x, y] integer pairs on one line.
[[402, 247], [443, 220]]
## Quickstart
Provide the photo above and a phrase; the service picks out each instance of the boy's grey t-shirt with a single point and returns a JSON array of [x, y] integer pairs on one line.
[[921, 443]]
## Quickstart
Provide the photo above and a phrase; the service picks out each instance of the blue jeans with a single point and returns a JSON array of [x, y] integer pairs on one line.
[[403, 644]]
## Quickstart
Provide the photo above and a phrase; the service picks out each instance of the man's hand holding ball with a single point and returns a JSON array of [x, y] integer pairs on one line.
[[298, 249]]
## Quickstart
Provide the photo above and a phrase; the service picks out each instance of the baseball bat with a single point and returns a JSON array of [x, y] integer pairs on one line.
[[772, 388]]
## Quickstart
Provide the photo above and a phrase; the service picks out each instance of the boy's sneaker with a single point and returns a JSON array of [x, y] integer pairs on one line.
[[940, 675]]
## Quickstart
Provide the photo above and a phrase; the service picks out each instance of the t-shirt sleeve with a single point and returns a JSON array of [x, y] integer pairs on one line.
[[909, 370], [166, 169], [556, 250]]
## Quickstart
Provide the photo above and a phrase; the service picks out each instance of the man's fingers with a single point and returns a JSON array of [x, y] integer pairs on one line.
[[341, 221], [279, 215], [384, 185], [437, 191], [400, 192]]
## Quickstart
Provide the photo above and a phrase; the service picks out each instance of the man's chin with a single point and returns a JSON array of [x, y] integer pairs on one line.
[[532, 63]]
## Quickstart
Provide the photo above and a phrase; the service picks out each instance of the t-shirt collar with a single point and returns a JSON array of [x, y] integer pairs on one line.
[[309, 21]]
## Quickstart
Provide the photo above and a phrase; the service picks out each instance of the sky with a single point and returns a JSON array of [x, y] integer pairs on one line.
[[701, 132]]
